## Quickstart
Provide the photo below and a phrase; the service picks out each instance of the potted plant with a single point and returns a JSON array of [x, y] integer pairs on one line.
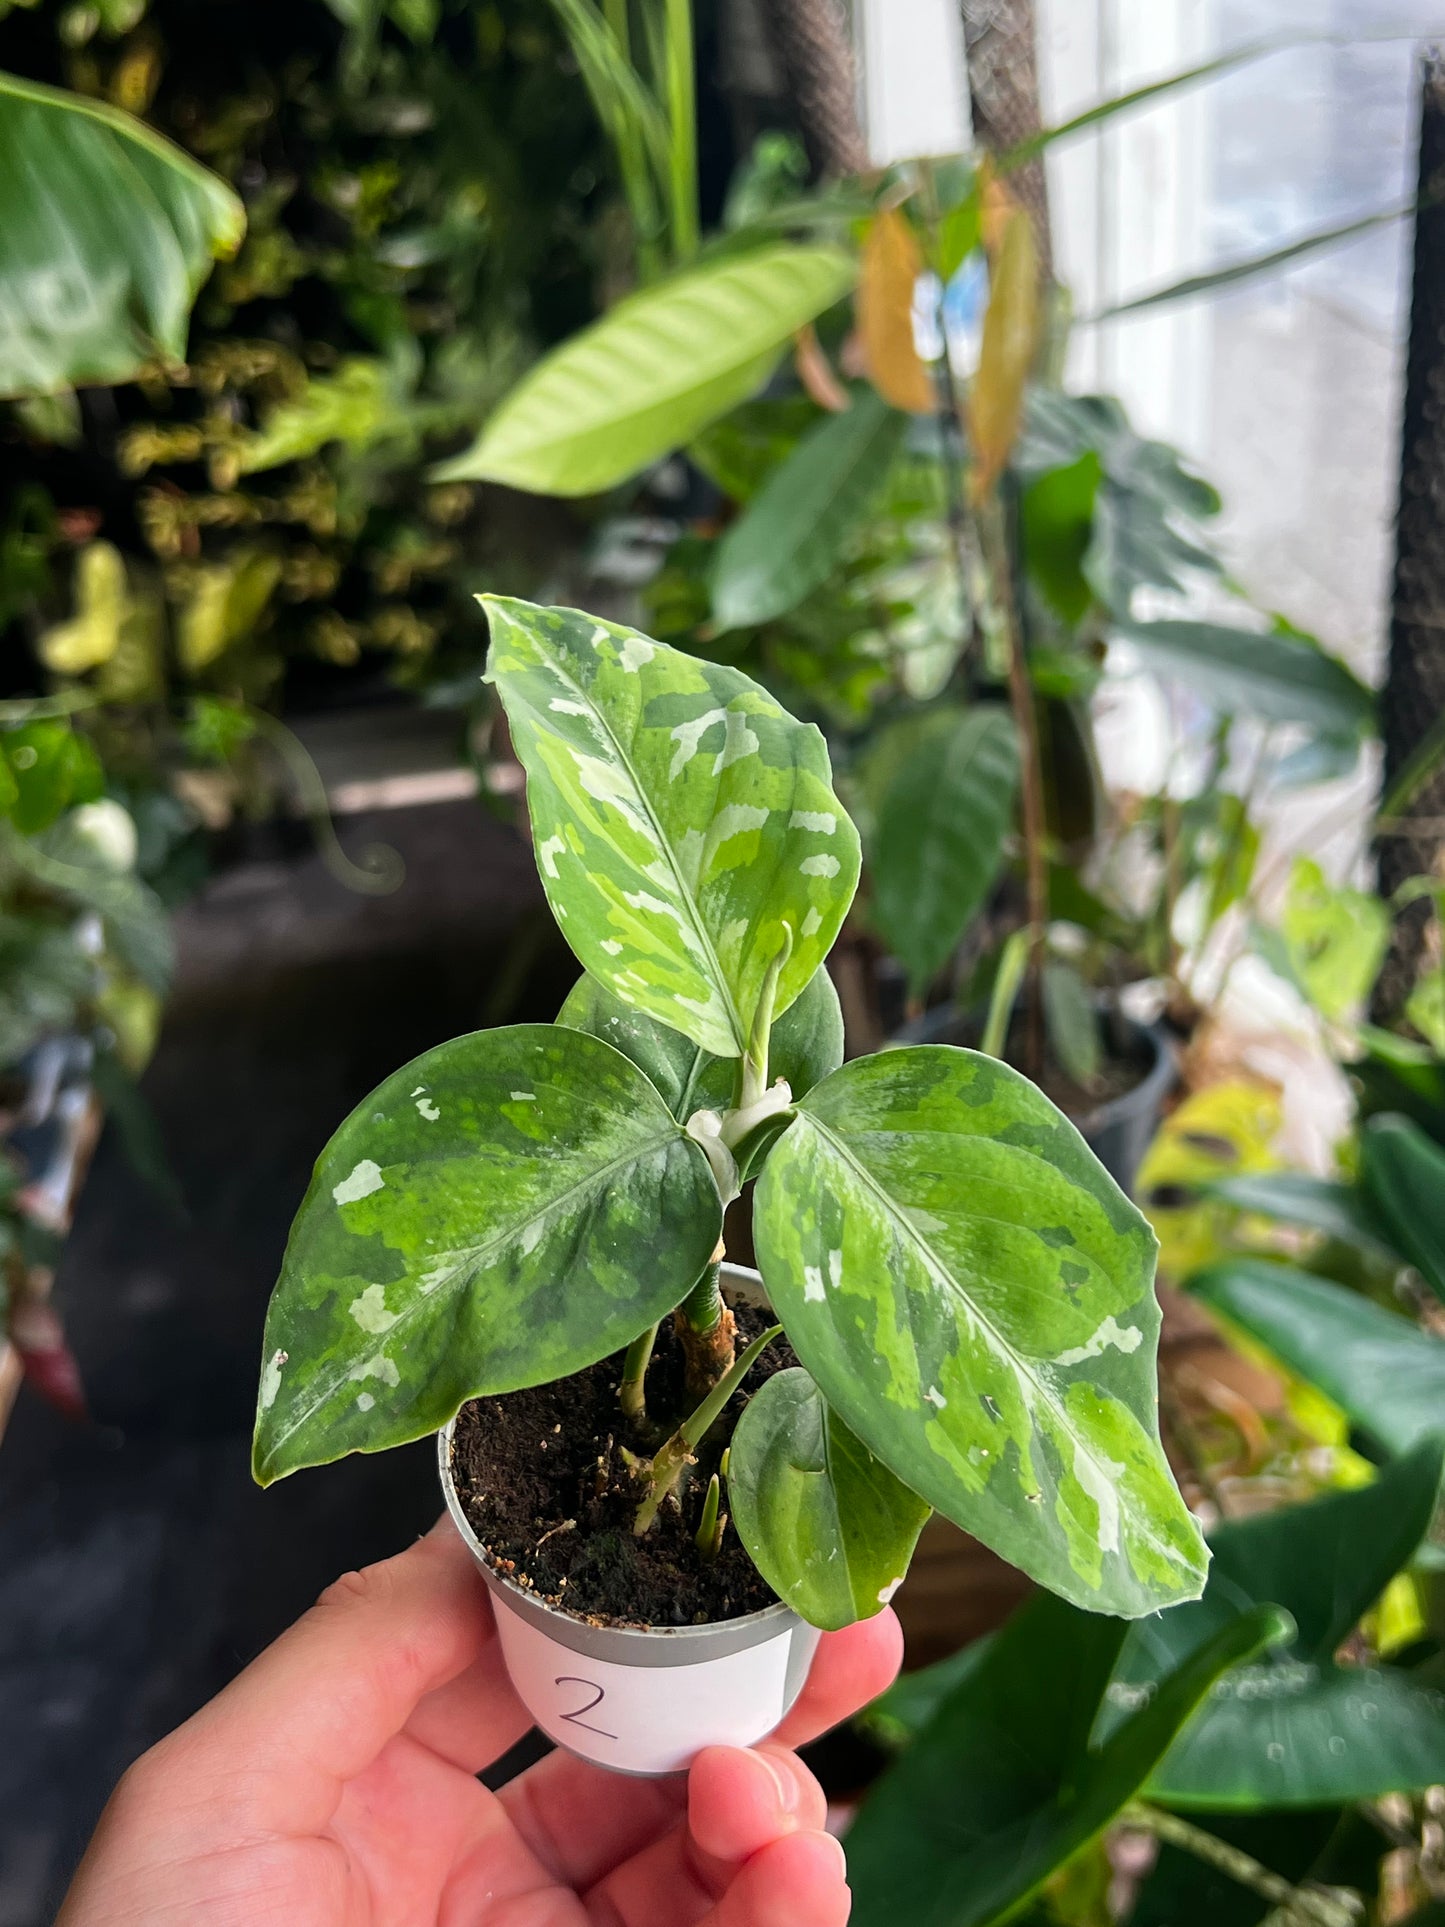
[[516, 1241]]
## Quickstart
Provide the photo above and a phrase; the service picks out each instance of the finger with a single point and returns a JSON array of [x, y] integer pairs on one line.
[[851, 1667], [320, 1703], [581, 1821], [740, 1801], [800, 1881]]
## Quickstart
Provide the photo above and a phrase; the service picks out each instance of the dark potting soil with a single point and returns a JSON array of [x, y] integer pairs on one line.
[[542, 1479]]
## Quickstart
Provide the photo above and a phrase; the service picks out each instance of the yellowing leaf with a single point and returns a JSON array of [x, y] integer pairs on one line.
[[1222, 1131], [92, 634], [1009, 329], [892, 263], [226, 602]]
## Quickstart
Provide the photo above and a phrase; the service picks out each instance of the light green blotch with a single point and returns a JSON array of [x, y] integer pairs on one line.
[[365, 1179], [271, 1379], [370, 1312]]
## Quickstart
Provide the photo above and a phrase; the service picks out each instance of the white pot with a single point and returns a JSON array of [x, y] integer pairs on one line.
[[643, 1700]]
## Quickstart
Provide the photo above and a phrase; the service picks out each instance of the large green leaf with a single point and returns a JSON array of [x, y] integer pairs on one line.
[[654, 372], [1004, 1784], [680, 819], [806, 1043], [1142, 509], [108, 232], [1402, 1173], [1280, 678], [939, 833], [1297, 1729], [827, 1525], [1318, 1204], [507, 1209], [1328, 942], [974, 1296], [790, 537], [1384, 1373]]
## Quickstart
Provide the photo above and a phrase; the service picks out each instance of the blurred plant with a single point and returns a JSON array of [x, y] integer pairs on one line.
[[425, 206]]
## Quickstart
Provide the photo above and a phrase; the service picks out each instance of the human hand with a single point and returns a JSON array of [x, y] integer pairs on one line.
[[332, 1784]]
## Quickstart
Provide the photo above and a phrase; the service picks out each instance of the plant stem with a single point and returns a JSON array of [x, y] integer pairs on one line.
[[1021, 701], [1320, 1906], [667, 1467], [706, 1331], [682, 119], [631, 1393]]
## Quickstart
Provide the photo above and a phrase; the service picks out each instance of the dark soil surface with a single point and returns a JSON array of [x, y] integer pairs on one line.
[[543, 1481]]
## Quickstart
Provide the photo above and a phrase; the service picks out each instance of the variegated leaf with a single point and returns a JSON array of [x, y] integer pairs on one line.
[[680, 819], [507, 1209], [974, 1295], [806, 1044], [826, 1524]]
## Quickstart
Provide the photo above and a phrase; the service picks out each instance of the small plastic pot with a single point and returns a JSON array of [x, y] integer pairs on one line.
[[643, 1700]]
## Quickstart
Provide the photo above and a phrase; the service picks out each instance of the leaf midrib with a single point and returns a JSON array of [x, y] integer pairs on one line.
[[936, 1267], [665, 845], [474, 1256]]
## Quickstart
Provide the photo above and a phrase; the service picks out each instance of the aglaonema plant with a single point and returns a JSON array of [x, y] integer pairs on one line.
[[968, 1294]]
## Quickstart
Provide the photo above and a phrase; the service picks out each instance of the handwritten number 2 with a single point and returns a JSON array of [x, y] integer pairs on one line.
[[599, 1693]]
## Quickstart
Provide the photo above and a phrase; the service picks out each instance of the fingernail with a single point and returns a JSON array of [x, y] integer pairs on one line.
[[785, 1782], [833, 1849]]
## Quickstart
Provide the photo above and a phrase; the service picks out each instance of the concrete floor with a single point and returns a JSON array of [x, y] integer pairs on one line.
[[139, 1566]]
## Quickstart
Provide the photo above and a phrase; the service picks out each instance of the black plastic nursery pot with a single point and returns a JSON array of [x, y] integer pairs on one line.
[[643, 1699], [1118, 1130]]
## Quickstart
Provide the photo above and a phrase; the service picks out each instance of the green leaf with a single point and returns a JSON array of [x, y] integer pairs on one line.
[[1003, 1786], [52, 767], [914, 1698], [1384, 1373], [1296, 1729], [1329, 941], [1248, 267], [1318, 1204], [1279, 678], [1057, 514], [974, 1296], [65, 861], [654, 372], [797, 526], [680, 819], [1071, 1021], [506, 1210], [828, 1526], [807, 1043], [939, 835], [356, 405], [109, 232], [1402, 1174]]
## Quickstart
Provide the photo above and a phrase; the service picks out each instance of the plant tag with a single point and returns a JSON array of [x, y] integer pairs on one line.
[[653, 1718]]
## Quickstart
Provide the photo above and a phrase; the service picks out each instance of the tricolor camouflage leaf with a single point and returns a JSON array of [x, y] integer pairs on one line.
[[681, 819], [807, 1043], [505, 1210], [974, 1296], [827, 1524]]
